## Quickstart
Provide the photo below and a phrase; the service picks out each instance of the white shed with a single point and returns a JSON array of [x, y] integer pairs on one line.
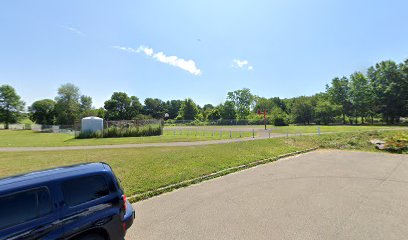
[[91, 124]]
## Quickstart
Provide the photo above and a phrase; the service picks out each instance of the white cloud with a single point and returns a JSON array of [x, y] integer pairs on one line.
[[72, 29], [187, 65], [237, 63]]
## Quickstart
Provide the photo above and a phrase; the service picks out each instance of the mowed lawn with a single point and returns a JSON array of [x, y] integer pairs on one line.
[[143, 169], [27, 138], [293, 129]]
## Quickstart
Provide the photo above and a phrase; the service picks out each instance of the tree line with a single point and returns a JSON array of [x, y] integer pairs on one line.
[[379, 94]]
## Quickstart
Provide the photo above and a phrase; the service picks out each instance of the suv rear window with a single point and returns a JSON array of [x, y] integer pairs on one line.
[[24, 206], [84, 189]]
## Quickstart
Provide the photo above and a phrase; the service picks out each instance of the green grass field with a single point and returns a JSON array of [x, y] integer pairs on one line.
[[145, 169], [26, 138], [295, 128]]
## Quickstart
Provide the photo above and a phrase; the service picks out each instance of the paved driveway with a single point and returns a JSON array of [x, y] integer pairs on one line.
[[319, 195]]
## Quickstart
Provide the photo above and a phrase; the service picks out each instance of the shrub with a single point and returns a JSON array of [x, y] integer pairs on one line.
[[89, 134], [115, 132], [397, 143], [280, 121]]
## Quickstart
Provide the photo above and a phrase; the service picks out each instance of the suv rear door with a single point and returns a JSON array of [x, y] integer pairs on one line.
[[88, 204]]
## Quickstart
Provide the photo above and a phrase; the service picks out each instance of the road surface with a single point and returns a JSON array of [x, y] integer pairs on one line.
[[319, 195]]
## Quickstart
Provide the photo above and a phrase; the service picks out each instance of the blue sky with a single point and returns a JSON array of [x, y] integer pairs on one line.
[[200, 49]]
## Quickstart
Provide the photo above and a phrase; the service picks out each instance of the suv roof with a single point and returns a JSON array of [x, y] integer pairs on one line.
[[51, 174]]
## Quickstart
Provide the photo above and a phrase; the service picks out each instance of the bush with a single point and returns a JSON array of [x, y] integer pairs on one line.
[[115, 132], [280, 121], [397, 143], [89, 134]]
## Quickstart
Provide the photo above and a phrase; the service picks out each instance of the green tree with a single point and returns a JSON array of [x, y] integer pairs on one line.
[[135, 108], [277, 116], [154, 107], [360, 95], [85, 107], [85, 103], [214, 114], [188, 110], [173, 108], [325, 112], [206, 111], [67, 107], [389, 90], [339, 95], [118, 107], [243, 100], [43, 111], [11, 105], [100, 112], [269, 104], [404, 71], [227, 110], [302, 110]]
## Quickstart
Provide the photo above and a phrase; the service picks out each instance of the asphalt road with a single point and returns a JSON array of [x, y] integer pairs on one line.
[[318, 195]]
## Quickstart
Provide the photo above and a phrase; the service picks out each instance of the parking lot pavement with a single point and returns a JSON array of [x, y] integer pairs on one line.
[[319, 195]]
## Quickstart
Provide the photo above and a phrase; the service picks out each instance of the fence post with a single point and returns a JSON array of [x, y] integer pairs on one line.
[[253, 133], [230, 134], [212, 134], [174, 132], [287, 133], [240, 133], [318, 130], [269, 133], [220, 133]]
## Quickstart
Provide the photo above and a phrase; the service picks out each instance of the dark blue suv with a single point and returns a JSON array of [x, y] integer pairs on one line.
[[81, 202]]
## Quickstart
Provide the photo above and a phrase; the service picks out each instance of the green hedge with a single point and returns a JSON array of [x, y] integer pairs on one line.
[[116, 132]]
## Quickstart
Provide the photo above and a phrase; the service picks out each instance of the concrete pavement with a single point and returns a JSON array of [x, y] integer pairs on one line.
[[319, 195]]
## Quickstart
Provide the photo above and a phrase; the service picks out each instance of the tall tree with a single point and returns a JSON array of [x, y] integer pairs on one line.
[[85, 103], [135, 107], [43, 111], [302, 110], [324, 111], [227, 110], [360, 95], [214, 114], [173, 108], [339, 95], [404, 72], [67, 105], [121, 107], [389, 89], [243, 100], [188, 110], [154, 107], [11, 105]]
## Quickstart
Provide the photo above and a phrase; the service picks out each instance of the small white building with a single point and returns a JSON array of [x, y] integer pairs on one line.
[[91, 124]]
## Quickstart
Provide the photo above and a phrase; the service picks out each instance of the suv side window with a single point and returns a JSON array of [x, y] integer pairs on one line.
[[84, 189], [24, 206]]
